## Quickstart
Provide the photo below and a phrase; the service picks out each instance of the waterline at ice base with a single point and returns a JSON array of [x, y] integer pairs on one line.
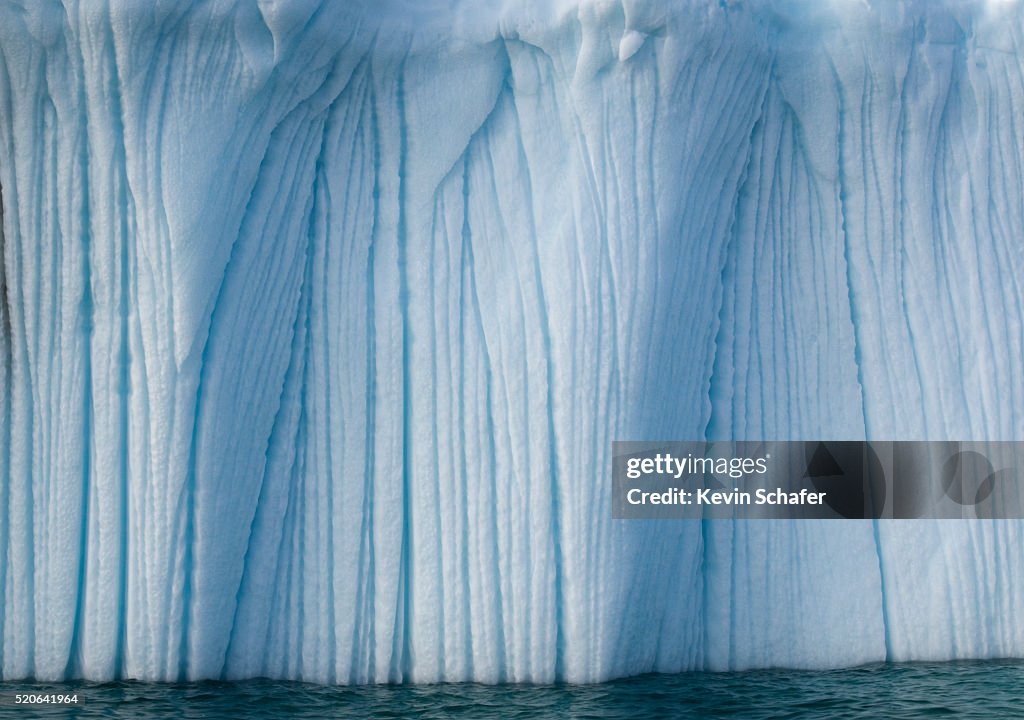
[[320, 318]]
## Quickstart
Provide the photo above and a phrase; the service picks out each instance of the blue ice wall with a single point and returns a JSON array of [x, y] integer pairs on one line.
[[320, 317]]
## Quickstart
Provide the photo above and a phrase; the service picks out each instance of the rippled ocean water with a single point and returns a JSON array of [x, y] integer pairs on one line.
[[990, 689]]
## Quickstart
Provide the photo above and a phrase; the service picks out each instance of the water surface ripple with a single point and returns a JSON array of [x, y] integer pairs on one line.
[[895, 691]]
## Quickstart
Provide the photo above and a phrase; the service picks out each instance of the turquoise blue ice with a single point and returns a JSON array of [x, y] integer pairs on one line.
[[320, 318]]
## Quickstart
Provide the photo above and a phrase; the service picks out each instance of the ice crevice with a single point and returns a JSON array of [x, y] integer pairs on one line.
[[319, 319]]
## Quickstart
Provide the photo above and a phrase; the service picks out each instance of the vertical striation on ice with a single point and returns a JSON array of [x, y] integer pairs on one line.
[[319, 319]]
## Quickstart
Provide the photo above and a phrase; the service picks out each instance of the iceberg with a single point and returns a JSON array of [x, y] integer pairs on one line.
[[319, 319]]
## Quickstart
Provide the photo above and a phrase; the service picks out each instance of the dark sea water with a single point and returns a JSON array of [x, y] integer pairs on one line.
[[919, 690]]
